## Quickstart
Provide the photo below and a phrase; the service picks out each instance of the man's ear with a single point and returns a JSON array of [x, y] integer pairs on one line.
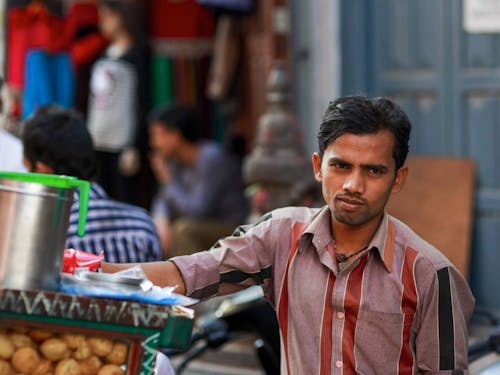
[[43, 168], [316, 162], [400, 179]]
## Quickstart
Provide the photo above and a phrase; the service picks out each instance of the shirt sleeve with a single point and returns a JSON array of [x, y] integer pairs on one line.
[[200, 200], [235, 262], [159, 206], [442, 335]]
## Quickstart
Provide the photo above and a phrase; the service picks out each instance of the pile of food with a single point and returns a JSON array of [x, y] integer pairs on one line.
[[41, 352]]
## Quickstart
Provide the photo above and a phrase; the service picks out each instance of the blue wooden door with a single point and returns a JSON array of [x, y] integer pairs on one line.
[[449, 83]]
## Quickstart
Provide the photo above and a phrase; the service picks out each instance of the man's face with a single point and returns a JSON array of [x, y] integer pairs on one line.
[[163, 141], [358, 175]]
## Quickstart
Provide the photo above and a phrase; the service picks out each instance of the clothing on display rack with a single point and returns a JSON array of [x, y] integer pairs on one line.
[[40, 41], [180, 19], [49, 79]]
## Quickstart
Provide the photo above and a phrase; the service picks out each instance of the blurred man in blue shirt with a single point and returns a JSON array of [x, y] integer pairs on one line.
[[201, 194]]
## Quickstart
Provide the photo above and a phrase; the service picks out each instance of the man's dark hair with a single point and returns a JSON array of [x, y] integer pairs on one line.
[[179, 117], [59, 138], [360, 115]]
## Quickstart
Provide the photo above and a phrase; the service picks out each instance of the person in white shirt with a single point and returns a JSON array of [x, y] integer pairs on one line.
[[11, 153]]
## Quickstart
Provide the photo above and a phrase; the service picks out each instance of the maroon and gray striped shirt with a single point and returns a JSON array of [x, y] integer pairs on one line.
[[401, 307]]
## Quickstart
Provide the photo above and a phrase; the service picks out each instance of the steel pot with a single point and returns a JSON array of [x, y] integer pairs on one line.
[[34, 219]]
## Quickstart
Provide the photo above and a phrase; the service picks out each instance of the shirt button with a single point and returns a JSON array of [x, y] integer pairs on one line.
[[340, 315], [339, 364]]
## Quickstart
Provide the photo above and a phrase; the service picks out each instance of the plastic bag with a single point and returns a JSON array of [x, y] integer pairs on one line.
[[131, 284], [77, 259]]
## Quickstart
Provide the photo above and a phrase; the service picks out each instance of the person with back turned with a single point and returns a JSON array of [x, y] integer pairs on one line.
[[56, 141]]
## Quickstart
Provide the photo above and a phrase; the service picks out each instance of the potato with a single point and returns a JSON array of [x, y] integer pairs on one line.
[[25, 360], [100, 346], [118, 354], [54, 349], [83, 352], [5, 368], [44, 367], [6, 347], [90, 366], [40, 334], [67, 366], [110, 370], [74, 341], [21, 339]]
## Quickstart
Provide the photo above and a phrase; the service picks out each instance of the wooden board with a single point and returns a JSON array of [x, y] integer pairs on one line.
[[437, 203]]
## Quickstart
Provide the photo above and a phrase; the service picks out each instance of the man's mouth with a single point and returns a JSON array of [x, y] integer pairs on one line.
[[350, 203]]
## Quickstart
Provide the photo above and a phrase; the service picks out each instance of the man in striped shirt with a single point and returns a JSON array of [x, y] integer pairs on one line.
[[356, 290], [124, 232], [56, 140]]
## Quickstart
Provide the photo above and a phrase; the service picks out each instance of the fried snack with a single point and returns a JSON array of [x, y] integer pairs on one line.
[[118, 354], [54, 349], [73, 340], [90, 366], [82, 352], [21, 339], [110, 370], [25, 360], [40, 334], [44, 367], [5, 368], [67, 366], [6, 347], [100, 346]]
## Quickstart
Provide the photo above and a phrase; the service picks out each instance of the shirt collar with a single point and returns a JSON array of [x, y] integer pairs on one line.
[[383, 241], [319, 231], [96, 192]]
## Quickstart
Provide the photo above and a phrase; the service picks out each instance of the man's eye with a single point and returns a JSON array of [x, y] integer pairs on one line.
[[341, 165], [375, 171]]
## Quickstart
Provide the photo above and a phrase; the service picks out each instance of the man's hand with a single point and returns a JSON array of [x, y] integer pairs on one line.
[[129, 162], [159, 167], [159, 273]]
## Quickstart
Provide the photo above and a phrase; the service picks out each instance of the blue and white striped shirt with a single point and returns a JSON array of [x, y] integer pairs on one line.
[[125, 233]]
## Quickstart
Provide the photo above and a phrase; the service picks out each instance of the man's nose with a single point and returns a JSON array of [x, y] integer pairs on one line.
[[355, 182]]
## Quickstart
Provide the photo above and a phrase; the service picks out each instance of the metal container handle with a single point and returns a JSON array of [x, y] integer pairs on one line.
[[64, 182]]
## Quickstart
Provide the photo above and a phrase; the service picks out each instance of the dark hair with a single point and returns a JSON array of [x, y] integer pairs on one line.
[[177, 116], [360, 115], [59, 138]]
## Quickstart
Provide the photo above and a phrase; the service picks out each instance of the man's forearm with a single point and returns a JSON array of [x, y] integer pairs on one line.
[[159, 273]]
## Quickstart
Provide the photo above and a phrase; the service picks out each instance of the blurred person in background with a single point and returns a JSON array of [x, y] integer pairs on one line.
[[201, 194], [11, 153], [119, 99], [11, 148], [56, 141]]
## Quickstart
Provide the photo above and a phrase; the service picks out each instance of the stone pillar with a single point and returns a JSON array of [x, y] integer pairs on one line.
[[278, 167]]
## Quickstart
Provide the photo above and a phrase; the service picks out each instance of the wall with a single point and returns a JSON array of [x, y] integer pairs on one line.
[[316, 62]]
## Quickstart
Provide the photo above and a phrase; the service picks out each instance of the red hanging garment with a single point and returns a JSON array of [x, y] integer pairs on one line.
[[180, 19], [28, 28]]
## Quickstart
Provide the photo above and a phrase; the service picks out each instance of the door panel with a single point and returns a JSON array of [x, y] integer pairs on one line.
[[448, 81]]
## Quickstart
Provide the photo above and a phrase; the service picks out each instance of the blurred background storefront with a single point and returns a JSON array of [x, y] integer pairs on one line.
[[439, 59]]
